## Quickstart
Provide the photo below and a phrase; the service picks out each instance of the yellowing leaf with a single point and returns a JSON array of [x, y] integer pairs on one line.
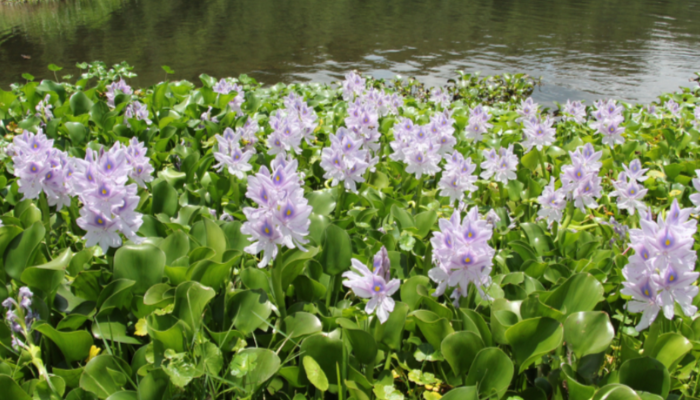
[[675, 192], [94, 352], [141, 326], [656, 174]]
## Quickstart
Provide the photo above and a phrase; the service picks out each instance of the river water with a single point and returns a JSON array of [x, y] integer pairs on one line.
[[582, 49]]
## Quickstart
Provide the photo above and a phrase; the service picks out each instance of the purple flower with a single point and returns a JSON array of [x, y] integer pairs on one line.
[[538, 133], [501, 166], [629, 194], [528, 110], [635, 171], [99, 229], [462, 255], [661, 272], [574, 111], [374, 286], [695, 197], [282, 216], [440, 97], [353, 85], [673, 108], [552, 203], [458, 177], [114, 88], [138, 111]]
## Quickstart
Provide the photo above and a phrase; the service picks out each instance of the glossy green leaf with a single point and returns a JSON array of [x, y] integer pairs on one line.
[[315, 374], [142, 263], [20, 250], [80, 103], [267, 363], [105, 375], [327, 352], [302, 324], [646, 374], [460, 349], [581, 292], [433, 328], [75, 346], [491, 372], [164, 199], [615, 392], [577, 391], [588, 332], [190, 300], [247, 310], [670, 349], [337, 250], [47, 277], [533, 338]]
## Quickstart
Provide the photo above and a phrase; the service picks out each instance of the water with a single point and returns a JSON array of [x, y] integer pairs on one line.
[[630, 50]]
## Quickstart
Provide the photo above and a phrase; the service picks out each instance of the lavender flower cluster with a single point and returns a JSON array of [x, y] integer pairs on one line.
[[629, 193], [478, 123], [346, 160], [462, 254], [458, 177], [422, 147], [608, 115], [282, 215], [291, 125], [228, 151], [580, 180], [661, 271], [500, 164], [99, 181], [20, 316], [375, 285], [225, 87]]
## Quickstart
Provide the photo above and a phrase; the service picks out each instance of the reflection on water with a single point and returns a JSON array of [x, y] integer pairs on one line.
[[632, 50]]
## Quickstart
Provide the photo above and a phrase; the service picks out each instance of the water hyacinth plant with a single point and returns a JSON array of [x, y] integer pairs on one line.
[[369, 239]]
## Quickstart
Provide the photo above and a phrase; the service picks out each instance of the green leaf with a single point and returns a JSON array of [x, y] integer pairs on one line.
[[124, 395], [190, 300], [213, 237], [267, 363], [363, 345], [11, 389], [247, 310], [409, 294], [491, 372], [327, 352], [48, 277], [315, 374], [425, 222], [322, 201], [473, 322], [167, 70], [21, 248], [391, 332], [460, 349], [80, 104], [154, 385], [164, 199], [433, 328], [577, 391], [646, 374], [302, 324], [142, 263], [176, 245], [581, 292], [77, 132], [402, 216], [615, 391], [337, 250], [462, 393], [54, 68], [104, 375], [588, 332], [533, 338], [670, 348]]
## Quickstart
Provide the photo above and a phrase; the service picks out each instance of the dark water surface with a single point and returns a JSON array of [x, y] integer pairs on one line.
[[628, 49]]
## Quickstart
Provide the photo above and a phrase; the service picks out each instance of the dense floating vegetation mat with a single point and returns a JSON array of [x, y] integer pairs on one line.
[[368, 239]]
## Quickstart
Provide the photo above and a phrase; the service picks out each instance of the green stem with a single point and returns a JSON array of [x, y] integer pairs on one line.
[[569, 214], [501, 189], [419, 193], [339, 201], [329, 291], [545, 173], [277, 287]]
